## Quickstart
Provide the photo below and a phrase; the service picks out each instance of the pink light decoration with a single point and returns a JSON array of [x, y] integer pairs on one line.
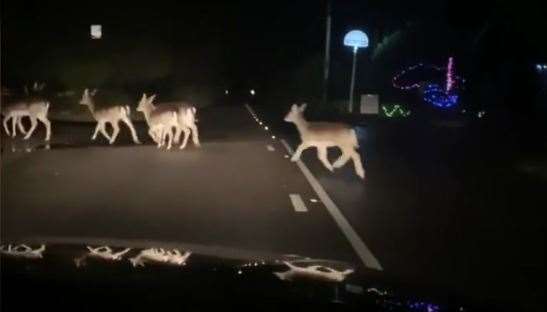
[[450, 75]]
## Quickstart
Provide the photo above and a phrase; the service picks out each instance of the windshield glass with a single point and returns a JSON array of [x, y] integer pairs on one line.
[[407, 139]]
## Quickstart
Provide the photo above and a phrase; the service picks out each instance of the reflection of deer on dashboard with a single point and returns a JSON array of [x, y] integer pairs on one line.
[[323, 135]]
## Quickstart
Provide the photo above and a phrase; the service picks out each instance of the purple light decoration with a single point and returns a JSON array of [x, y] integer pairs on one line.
[[450, 75], [402, 73], [434, 93]]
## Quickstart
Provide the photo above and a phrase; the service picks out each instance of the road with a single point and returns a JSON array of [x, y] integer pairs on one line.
[[231, 192], [420, 214]]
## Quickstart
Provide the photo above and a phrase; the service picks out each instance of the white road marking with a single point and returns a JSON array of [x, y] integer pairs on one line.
[[250, 109], [270, 148], [298, 203], [313, 200], [356, 242]]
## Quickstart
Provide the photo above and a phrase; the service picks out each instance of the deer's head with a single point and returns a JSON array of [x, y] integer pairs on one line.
[[145, 102], [87, 97], [295, 112]]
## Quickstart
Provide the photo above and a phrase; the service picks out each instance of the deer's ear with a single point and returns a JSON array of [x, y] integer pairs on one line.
[[86, 91], [144, 96], [294, 107], [303, 107], [93, 92], [152, 98]]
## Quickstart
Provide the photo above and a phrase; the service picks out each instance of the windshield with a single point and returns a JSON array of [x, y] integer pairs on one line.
[[405, 138]]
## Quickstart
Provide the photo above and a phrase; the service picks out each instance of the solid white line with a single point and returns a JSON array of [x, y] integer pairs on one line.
[[250, 109], [356, 242], [298, 203]]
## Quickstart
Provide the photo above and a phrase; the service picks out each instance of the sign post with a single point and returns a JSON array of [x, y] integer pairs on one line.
[[355, 39]]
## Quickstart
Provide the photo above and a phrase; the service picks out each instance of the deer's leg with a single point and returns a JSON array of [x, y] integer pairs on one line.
[[47, 124], [161, 135], [343, 159], [102, 129], [33, 124], [358, 165], [129, 124], [195, 134], [169, 134], [97, 127], [299, 150], [186, 135], [20, 125], [322, 155], [178, 131], [5, 123], [116, 127], [154, 135], [13, 122]]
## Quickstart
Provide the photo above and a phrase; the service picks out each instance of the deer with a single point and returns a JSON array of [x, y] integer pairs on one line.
[[186, 121], [160, 121], [323, 135], [112, 115], [36, 108]]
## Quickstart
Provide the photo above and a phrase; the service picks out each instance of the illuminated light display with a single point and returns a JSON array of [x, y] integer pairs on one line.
[[395, 111], [436, 96], [433, 93], [450, 75]]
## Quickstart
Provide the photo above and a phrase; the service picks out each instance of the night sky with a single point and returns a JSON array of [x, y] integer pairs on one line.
[[248, 42]]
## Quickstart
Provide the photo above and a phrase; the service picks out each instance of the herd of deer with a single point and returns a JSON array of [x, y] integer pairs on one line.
[[161, 119], [181, 116]]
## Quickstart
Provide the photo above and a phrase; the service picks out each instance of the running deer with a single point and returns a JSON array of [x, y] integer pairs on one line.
[[323, 135], [34, 107], [111, 115], [160, 121], [186, 120]]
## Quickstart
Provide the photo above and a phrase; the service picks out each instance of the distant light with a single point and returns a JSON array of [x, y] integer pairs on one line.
[[266, 128], [252, 91], [96, 31], [273, 137], [260, 123], [226, 92]]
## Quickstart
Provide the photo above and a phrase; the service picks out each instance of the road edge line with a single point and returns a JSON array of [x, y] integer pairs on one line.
[[356, 242]]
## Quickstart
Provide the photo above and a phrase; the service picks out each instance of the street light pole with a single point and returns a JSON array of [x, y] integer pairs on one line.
[[326, 64], [352, 86]]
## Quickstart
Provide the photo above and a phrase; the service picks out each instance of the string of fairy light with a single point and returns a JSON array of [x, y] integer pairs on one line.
[[395, 111], [433, 93]]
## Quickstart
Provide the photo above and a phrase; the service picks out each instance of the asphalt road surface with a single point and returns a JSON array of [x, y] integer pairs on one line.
[[232, 192], [421, 219]]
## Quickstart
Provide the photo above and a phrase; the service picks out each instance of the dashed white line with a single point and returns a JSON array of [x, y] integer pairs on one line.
[[298, 203], [270, 148], [356, 242]]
